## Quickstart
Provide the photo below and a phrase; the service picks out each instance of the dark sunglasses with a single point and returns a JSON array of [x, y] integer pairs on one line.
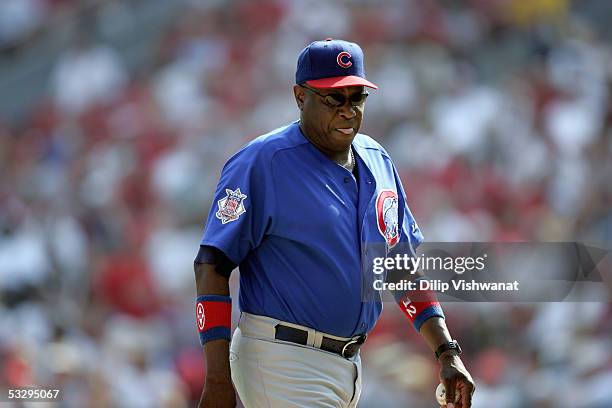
[[336, 100]]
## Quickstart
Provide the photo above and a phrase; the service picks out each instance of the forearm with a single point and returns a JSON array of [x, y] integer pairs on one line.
[[209, 282], [217, 361], [435, 332], [213, 311]]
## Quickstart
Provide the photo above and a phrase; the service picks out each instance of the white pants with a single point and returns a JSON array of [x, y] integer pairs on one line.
[[272, 373]]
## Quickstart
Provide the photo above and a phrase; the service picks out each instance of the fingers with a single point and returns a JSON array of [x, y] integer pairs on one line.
[[459, 386], [466, 396], [466, 390], [458, 393], [450, 385]]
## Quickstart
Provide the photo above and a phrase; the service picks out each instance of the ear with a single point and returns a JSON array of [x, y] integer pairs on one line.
[[300, 95]]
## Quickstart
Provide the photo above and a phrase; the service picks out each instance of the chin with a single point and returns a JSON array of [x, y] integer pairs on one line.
[[342, 144]]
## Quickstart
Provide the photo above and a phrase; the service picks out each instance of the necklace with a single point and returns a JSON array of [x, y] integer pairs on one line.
[[350, 166]]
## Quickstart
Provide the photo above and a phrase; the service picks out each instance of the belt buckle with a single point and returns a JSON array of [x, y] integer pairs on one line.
[[345, 347], [359, 341]]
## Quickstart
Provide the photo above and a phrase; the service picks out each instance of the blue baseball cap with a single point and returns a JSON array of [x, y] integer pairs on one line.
[[332, 64]]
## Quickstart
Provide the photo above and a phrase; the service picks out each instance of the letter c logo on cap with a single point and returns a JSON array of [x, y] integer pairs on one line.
[[341, 62]]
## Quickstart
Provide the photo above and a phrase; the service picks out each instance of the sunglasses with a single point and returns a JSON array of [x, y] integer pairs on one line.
[[336, 100]]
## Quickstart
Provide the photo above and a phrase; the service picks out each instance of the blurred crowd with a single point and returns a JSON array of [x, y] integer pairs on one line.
[[22, 21], [496, 113]]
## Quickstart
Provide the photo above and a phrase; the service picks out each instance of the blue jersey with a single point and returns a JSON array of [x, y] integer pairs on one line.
[[301, 229]]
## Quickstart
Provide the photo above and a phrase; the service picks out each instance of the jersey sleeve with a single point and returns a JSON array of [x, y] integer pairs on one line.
[[409, 232], [243, 206]]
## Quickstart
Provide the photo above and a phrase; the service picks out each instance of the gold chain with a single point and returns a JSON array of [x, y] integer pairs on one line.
[[350, 166]]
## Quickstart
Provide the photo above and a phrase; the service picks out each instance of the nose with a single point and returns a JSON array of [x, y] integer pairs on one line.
[[348, 111]]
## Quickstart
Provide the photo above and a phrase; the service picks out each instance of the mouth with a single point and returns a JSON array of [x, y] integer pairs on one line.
[[346, 131]]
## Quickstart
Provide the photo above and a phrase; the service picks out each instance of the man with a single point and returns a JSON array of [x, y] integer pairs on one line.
[[301, 210]]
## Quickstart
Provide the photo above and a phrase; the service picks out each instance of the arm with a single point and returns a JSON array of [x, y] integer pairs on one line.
[[237, 221], [218, 390], [425, 313], [453, 373]]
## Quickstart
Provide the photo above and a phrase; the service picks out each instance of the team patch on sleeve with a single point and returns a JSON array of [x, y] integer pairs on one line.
[[387, 216], [231, 207]]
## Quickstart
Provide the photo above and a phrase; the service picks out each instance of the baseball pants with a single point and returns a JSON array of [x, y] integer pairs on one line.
[[273, 373]]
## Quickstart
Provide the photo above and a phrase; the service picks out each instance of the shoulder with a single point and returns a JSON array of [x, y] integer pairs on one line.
[[263, 148], [368, 146]]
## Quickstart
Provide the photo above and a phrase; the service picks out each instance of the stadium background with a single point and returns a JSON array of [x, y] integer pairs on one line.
[[117, 115]]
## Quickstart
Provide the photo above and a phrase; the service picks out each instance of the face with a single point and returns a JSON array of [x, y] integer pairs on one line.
[[330, 128]]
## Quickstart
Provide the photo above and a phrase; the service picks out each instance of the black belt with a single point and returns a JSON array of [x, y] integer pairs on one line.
[[346, 349]]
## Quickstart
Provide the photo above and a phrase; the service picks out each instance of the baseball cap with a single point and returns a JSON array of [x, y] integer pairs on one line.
[[332, 64]]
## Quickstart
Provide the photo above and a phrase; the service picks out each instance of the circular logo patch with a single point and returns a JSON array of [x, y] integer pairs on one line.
[[201, 319], [341, 62], [387, 216]]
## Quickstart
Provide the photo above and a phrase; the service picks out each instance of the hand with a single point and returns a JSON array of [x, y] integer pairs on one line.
[[218, 393], [457, 381]]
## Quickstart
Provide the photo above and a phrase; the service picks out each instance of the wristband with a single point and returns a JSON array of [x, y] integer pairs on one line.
[[419, 306], [214, 317]]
